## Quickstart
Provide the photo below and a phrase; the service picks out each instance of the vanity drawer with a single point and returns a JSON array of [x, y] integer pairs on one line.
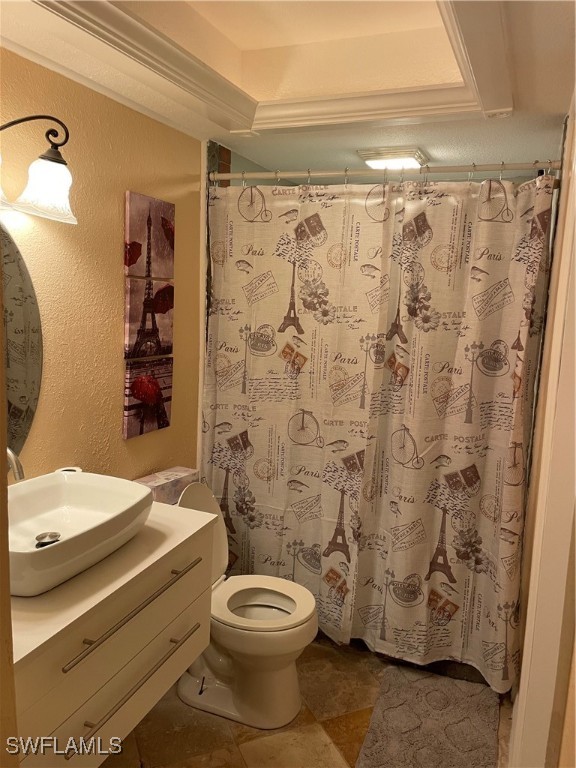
[[70, 671], [120, 705]]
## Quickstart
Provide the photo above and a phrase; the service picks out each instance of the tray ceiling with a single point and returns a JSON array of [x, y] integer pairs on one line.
[[299, 50], [313, 81]]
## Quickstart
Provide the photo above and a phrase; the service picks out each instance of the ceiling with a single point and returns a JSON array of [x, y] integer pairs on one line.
[[303, 84], [254, 25]]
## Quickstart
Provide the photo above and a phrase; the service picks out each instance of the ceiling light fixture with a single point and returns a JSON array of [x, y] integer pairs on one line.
[[393, 158], [49, 180]]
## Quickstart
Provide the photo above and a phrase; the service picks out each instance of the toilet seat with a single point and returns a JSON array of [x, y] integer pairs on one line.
[[291, 604]]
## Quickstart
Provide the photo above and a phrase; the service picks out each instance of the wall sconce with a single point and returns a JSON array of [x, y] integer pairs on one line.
[[49, 180]]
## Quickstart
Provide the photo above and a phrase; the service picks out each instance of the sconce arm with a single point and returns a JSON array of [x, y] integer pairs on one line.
[[52, 134]]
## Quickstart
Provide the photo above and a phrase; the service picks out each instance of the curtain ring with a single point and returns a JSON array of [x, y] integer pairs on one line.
[[308, 182], [501, 169], [244, 179], [346, 176]]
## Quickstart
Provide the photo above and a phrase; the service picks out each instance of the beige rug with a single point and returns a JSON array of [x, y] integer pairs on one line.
[[423, 720]]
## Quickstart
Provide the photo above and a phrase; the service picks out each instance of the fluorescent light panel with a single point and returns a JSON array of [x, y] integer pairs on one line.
[[393, 158]]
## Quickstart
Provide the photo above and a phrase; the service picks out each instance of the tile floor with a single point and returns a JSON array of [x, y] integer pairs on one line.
[[339, 687]]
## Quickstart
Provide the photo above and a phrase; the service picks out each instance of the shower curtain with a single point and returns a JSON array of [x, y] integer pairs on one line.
[[371, 360]]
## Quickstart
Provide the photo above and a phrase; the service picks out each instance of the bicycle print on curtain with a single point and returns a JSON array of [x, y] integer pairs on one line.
[[371, 361]]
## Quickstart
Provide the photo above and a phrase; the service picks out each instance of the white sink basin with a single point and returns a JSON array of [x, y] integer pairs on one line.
[[91, 514]]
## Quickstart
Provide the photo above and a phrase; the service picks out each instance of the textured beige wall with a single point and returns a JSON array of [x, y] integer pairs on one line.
[[568, 748], [78, 274]]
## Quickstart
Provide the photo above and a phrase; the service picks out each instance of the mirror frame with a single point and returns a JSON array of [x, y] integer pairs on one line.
[[23, 350]]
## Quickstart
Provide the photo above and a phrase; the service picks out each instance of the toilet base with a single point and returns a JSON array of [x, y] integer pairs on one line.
[[277, 703]]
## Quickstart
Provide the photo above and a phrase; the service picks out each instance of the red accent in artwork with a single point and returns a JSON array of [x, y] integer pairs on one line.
[[147, 390], [164, 299], [132, 252], [168, 229]]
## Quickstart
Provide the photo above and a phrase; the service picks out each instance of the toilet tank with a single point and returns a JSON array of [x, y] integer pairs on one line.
[[199, 496]]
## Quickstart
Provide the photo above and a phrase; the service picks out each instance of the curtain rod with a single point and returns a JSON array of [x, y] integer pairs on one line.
[[554, 165]]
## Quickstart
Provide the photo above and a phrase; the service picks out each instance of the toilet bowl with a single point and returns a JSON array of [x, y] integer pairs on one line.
[[259, 626]]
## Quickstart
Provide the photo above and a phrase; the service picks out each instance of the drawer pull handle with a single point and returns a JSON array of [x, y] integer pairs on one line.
[[93, 644], [95, 727]]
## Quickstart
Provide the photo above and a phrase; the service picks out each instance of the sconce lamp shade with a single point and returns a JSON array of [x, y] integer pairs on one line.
[[49, 180], [47, 190]]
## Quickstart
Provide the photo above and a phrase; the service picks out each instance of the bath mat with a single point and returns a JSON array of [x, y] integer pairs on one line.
[[423, 720]]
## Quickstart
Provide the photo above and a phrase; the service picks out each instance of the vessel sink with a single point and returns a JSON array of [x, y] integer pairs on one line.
[[62, 523]]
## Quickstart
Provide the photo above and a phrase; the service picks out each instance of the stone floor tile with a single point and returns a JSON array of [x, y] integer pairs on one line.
[[320, 642], [334, 681], [128, 758], [342, 656], [348, 732], [227, 757], [372, 662], [172, 732], [306, 747], [243, 733]]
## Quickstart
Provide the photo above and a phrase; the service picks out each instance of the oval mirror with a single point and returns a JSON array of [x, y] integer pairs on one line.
[[23, 343]]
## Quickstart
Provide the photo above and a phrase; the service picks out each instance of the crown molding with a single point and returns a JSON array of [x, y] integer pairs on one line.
[[477, 32], [221, 101], [400, 106]]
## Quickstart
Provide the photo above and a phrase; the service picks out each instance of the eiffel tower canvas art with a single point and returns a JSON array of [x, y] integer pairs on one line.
[[149, 268]]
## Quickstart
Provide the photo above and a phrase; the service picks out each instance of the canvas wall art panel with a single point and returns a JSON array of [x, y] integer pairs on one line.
[[148, 318], [149, 237], [147, 396]]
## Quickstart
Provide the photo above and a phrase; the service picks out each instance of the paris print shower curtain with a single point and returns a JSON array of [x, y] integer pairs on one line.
[[371, 360]]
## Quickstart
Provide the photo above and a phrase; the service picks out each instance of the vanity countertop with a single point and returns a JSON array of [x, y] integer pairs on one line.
[[36, 619]]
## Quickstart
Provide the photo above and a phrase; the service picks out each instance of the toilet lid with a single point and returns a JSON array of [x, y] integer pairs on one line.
[[294, 604]]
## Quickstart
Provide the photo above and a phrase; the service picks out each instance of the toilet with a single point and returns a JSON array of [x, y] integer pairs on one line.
[[259, 626]]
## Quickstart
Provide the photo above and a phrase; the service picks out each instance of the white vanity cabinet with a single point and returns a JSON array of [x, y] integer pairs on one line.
[[94, 655]]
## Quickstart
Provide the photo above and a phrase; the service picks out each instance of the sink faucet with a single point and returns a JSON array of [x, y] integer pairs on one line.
[[15, 465]]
